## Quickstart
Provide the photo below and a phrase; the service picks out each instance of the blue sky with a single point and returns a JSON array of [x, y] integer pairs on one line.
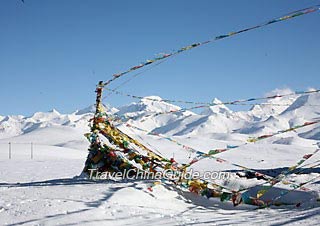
[[54, 52]]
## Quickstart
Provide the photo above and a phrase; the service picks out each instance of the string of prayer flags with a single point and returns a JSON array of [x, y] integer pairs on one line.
[[283, 193], [112, 150], [206, 104], [285, 173], [202, 155], [219, 37], [119, 163], [255, 139]]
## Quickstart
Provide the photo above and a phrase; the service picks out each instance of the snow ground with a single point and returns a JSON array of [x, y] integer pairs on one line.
[[43, 191]]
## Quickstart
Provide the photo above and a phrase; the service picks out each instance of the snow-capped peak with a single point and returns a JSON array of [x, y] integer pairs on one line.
[[217, 108], [90, 109], [147, 105], [151, 98], [272, 115], [273, 106], [305, 106], [54, 111], [46, 116]]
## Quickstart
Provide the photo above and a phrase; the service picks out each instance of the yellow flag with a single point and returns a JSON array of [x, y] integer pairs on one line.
[[261, 193]]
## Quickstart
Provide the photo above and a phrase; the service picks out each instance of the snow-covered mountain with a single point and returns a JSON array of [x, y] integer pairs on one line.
[[292, 112], [11, 126], [274, 106], [273, 115], [148, 113], [50, 128]]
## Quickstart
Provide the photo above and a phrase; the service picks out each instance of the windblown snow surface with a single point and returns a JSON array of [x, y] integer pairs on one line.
[[45, 190]]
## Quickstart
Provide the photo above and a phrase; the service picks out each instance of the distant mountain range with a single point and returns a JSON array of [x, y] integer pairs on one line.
[[66, 130]]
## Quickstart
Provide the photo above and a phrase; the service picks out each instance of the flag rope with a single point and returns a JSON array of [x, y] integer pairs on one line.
[[124, 152], [288, 16]]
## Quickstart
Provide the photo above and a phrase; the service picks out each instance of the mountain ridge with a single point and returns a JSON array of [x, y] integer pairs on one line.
[[263, 118]]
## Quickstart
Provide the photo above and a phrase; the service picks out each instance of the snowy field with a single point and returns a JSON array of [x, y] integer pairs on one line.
[[45, 190]]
